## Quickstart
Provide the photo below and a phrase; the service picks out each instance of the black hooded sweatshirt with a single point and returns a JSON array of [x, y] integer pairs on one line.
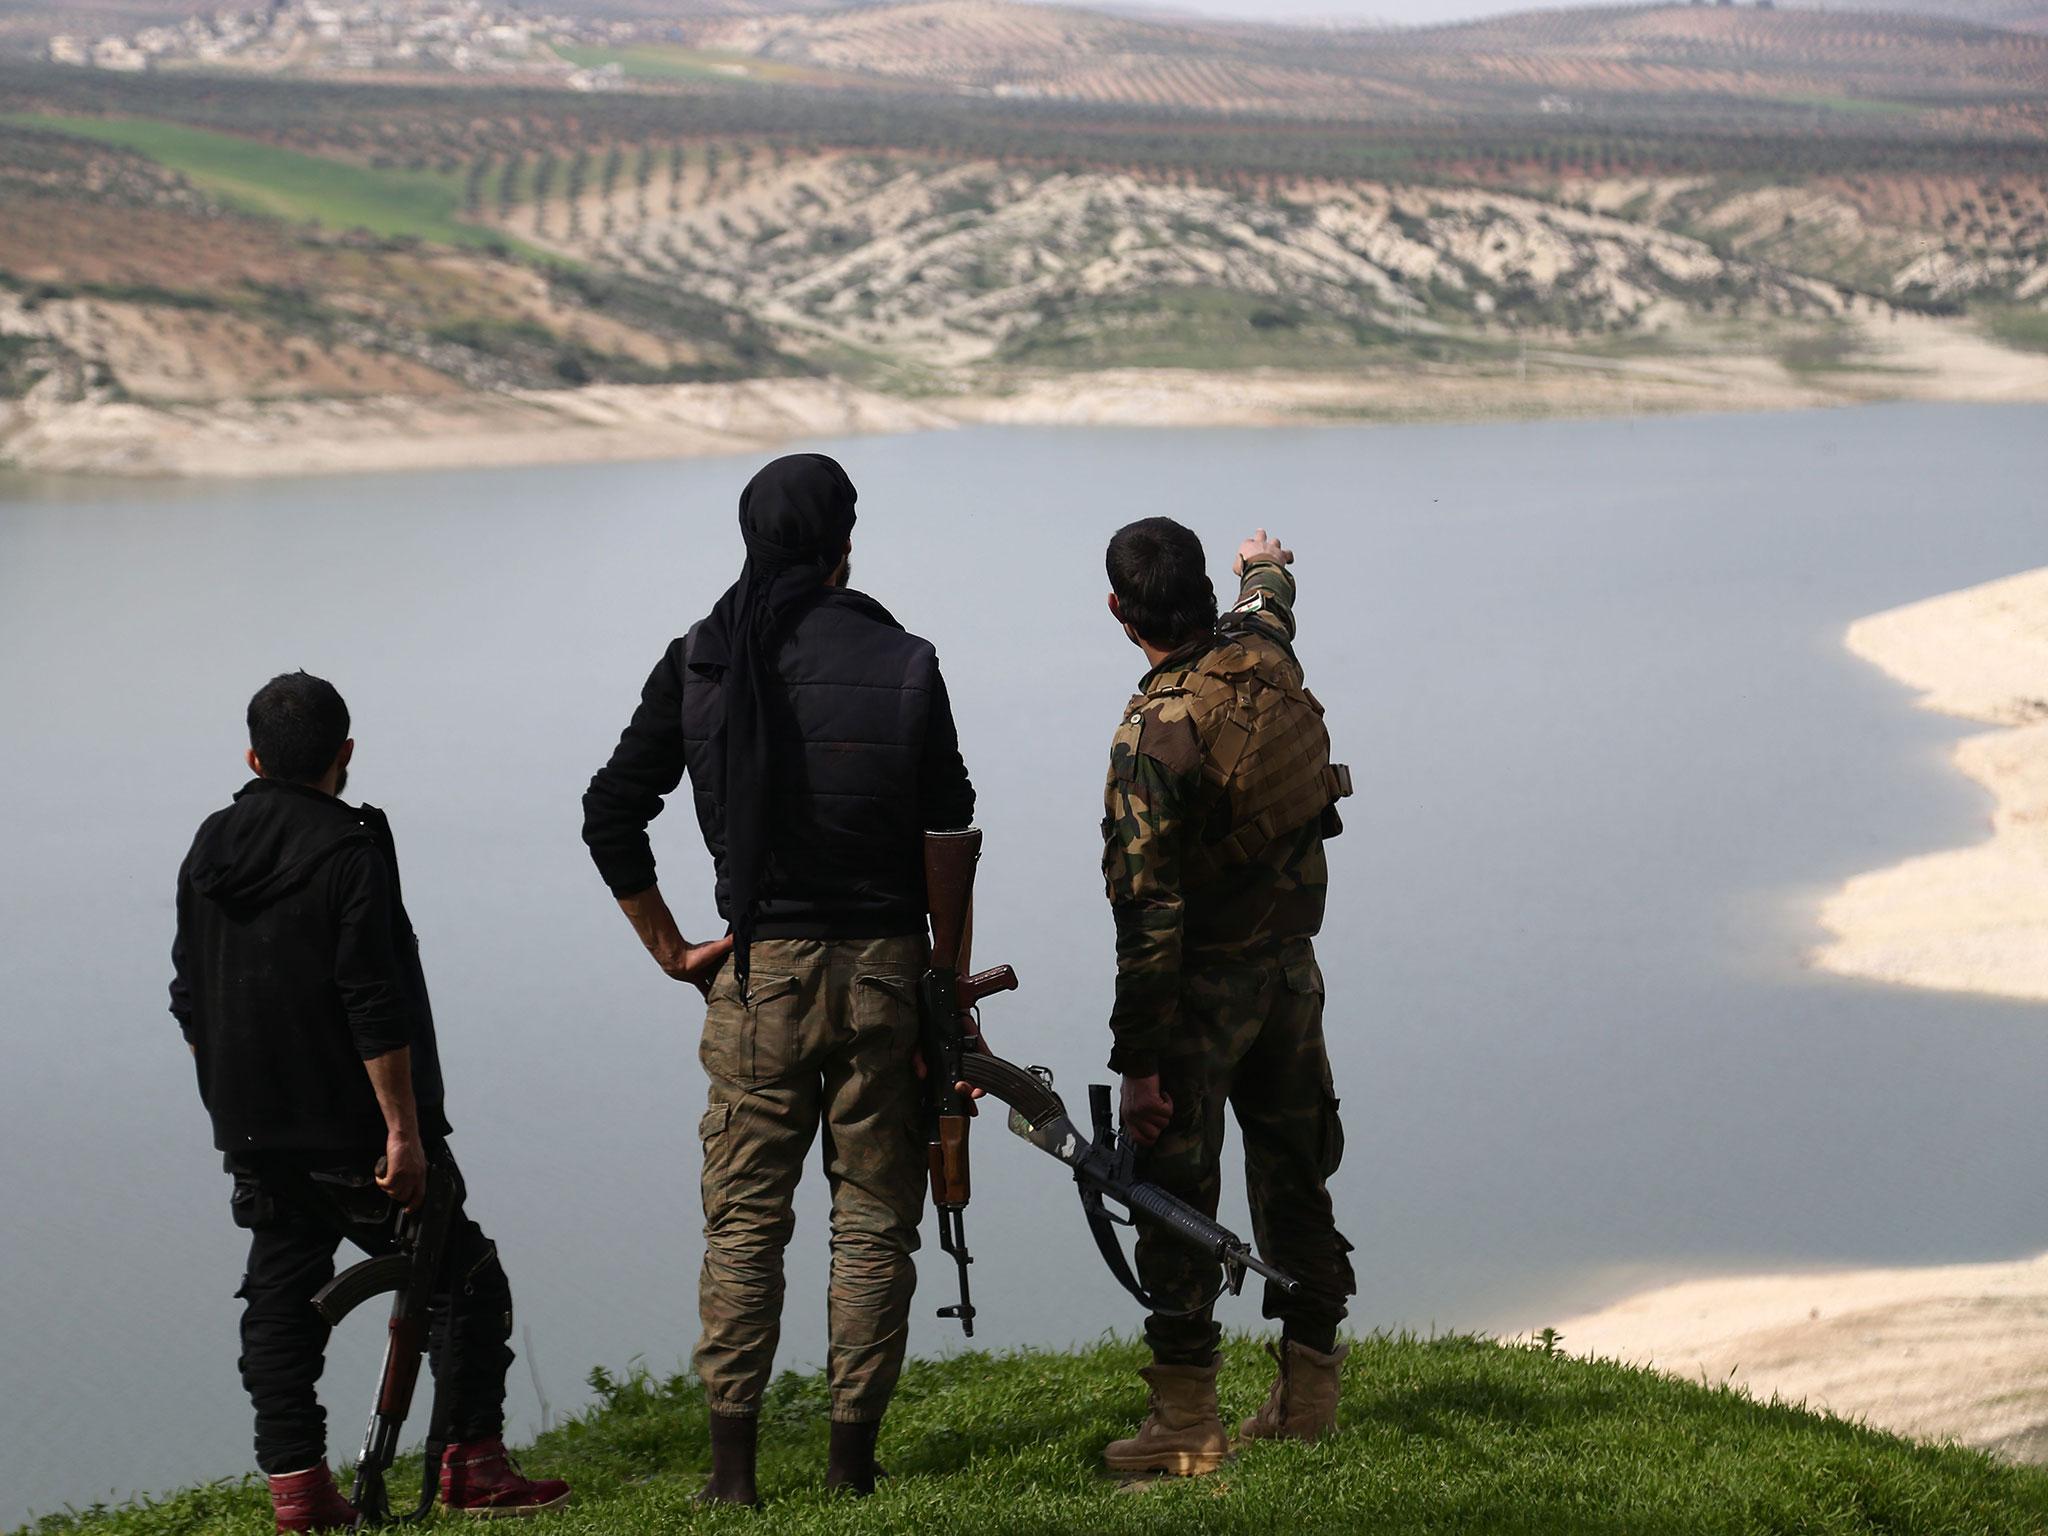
[[295, 963]]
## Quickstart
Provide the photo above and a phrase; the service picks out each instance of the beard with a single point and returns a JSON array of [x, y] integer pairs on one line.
[[843, 575], [340, 783]]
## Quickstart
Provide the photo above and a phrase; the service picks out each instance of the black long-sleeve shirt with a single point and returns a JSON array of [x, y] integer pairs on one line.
[[867, 759], [294, 963]]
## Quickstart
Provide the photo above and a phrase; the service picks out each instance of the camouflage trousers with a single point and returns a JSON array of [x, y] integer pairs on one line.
[[1253, 1040], [825, 1043]]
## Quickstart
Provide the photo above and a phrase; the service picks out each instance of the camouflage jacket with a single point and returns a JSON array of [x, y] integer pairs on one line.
[[1177, 906]]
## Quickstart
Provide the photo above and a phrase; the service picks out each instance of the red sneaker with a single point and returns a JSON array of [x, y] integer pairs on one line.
[[309, 1501], [479, 1479]]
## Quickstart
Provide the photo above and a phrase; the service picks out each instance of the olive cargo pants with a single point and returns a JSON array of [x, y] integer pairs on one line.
[[1252, 1039], [825, 1042]]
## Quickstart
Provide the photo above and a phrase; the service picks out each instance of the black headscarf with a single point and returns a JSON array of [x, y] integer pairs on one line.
[[796, 517]]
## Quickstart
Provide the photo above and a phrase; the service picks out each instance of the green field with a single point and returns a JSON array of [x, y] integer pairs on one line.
[[1212, 329], [672, 61], [283, 183], [2023, 326], [1854, 106], [1440, 1436]]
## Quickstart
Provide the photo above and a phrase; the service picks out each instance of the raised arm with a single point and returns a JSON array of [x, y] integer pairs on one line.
[[1265, 586]]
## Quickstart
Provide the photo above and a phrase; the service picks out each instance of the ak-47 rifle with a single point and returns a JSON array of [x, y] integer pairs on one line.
[[1103, 1163], [412, 1273], [1103, 1168], [945, 1001]]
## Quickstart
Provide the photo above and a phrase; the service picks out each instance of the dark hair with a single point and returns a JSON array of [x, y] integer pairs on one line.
[[1161, 581], [297, 723]]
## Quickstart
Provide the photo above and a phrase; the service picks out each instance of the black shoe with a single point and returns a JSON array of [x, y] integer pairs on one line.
[[734, 1443], [850, 1466]]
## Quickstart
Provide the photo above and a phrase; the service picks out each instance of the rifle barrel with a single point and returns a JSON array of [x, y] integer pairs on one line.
[[1286, 1282]]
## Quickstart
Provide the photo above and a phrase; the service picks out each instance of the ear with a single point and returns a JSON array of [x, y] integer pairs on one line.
[[255, 763], [348, 750], [1116, 611]]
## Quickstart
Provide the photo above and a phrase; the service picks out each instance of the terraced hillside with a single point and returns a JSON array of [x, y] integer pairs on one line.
[[1566, 59], [1048, 53], [119, 277], [193, 242], [1690, 61], [2018, 15], [964, 263]]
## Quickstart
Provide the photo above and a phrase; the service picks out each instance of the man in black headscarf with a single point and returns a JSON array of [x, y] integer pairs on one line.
[[820, 748]]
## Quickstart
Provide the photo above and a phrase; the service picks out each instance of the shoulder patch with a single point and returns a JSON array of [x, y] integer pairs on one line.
[[1254, 604], [1169, 738]]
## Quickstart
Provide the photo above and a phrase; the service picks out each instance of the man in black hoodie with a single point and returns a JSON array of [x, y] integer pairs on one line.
[[299, 990]]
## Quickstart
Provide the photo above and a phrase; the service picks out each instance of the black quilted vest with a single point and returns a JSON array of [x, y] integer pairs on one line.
[[845, 857]]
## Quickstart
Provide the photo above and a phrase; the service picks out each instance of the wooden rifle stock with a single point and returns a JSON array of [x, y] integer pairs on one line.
[[949, 860], [945, 999], [950, 1182]]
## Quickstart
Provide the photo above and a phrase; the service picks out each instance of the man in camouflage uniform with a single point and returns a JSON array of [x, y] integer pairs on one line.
[[1220, 794]]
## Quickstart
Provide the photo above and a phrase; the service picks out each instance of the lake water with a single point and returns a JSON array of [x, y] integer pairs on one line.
[[1589, 677]]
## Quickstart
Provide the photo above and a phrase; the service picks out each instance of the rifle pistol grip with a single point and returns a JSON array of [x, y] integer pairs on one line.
[[969, 990]]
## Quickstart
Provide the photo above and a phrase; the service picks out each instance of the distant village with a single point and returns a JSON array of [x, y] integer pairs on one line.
[[459, 36]]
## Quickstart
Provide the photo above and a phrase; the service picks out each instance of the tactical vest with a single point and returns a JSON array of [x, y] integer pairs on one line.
[[1266, 769]]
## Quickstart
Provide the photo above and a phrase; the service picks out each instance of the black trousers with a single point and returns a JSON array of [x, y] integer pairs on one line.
[[297, 1208]]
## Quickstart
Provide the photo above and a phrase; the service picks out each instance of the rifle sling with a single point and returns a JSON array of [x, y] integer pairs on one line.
[[1102, 1227], [1034, 1100]]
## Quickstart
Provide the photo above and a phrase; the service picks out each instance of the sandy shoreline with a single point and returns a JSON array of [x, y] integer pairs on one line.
[[1969, 919], [1952, 1352], [1912, 358], [312, 437], [1949, 1352]]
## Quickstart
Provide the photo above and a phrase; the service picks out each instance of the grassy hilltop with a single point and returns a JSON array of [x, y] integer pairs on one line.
[[1445, 1435]]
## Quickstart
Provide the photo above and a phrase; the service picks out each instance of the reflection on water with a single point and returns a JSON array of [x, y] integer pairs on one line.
[[1589, 676]]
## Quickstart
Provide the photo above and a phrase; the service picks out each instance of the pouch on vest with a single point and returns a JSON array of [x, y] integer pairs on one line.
[[1269, 756]]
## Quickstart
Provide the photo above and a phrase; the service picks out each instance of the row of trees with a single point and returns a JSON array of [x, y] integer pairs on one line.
[[448, 129]]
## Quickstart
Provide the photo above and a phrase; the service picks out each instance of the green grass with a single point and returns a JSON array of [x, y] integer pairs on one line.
[[1820, 352], [286, 184], [1445, 1435], [2021, 326], [1853, 106], [673, 62], [1200, 328], [16, 371]]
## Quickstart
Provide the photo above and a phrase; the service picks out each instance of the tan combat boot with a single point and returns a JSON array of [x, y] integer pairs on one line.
[[1303, 1402], [1183, 1435]]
